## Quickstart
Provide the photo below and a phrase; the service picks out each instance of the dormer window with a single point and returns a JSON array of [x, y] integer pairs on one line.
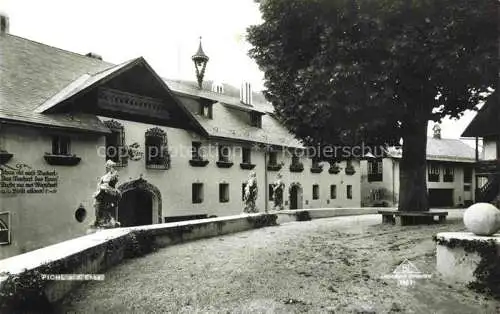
[[256, 119], [206, 110]]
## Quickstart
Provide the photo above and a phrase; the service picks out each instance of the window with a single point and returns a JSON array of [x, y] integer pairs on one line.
[[349, 192], [296, 165], [467, 175], [448, 174], [375, 170], [206, 110], [195, 151], [467, 188], [197, 193], [333, 191], [60, 145], [256, 119], [223, 192], [315, 163], [271, 192], [5, 228], [246, 155], [315, 192], [349, 168], [273, 158], [433, 173], [156, 146], [223, 153], [377, 195], [115, 143], [80, 214]]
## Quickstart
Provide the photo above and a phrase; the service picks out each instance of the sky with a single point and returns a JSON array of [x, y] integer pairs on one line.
[[165, 32]]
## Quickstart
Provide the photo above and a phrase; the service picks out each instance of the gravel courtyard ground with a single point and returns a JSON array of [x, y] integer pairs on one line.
[[321, 266]]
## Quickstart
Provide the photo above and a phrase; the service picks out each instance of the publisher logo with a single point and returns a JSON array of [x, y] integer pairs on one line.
[[406, 273]]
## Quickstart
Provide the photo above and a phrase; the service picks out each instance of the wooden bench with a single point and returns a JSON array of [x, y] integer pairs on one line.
[[412, 218]]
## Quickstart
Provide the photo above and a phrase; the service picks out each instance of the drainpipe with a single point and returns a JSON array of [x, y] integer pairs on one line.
[[266, 206]]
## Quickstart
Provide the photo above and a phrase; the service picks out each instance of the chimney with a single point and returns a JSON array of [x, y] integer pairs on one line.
[[217, 87], [246, 93], [437, 131], [4, 24], [94, 55]]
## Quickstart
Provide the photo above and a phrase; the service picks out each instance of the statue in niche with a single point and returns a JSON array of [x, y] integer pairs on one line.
[[106, 198], [251, 194], [278, 187]]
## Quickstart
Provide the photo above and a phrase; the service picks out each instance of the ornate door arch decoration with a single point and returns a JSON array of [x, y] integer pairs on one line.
[[143, 185], [121, 149], [297, 184], [156, 149]]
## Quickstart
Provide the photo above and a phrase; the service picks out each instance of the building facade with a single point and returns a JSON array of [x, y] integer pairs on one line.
[[486, 126], [449, 175], [182, 151]]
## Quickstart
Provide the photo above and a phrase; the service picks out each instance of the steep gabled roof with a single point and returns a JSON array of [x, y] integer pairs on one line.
[[185, 88], [82, 83], [229, 123], [487, 120], [36, 78], [259, 101]]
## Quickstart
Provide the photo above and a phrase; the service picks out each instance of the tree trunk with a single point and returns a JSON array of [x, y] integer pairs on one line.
[[413, 195]]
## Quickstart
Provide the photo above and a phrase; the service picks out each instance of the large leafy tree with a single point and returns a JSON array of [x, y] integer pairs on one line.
[[378, 70]]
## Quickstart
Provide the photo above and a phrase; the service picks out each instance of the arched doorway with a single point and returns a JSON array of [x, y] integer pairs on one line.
[[140, 204], [295, 195], [135, 208]]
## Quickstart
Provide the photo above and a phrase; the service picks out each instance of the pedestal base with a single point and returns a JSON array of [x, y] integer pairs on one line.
[[463, 257]]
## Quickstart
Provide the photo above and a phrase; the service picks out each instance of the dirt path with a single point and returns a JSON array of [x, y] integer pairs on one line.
[[322, 266]]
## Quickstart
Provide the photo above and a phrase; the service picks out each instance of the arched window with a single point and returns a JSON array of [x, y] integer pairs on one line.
[[115, 143], [156, 145]]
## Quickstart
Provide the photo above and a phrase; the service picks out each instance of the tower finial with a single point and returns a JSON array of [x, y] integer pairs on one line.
[[200, 60]]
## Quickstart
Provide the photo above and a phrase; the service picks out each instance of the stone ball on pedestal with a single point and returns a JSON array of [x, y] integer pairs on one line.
[[482, 219]]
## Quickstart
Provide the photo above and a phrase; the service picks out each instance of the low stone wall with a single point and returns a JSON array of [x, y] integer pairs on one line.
[[21, 277], [285, 216], [465, 258], [22, 282]]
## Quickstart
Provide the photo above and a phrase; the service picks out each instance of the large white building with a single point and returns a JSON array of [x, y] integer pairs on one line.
[[62, 114], [486, 127], [450, 168]]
